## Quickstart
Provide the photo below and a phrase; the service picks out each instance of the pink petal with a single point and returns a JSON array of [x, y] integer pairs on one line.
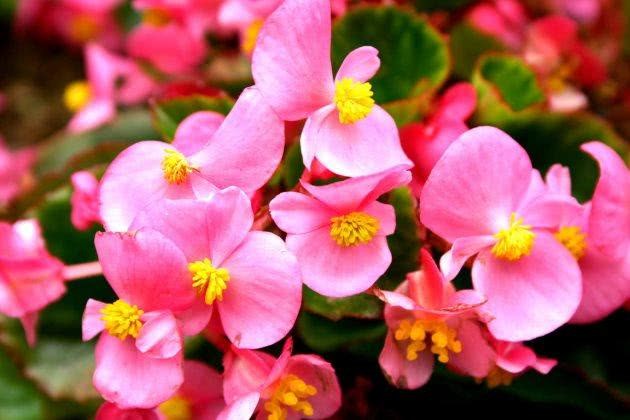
[[109, 411], [337, 271], [132, 379], [92, 323], [242, 408], [558, 180], [385, 214], [145, 269], [477, 356], [298, 213], [196, 130], [310, 135], [463, 248], [280, 365], [195, 319], [476, 185], [532, 296], [245, 371], [401, 372], [458, 102], [201, 383], [264, 293], [360, 65], [294, 73], [514, 357], [94, 114], [29, 323], [426, 287], [159, 336], [550, 211], [317, 372], [366, 147], [102, 70], [246, 149]]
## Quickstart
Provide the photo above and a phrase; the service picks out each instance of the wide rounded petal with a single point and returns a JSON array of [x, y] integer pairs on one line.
[[366, 147], [294, 72], [550, 211], [298, 213], [196, 318], [201, 383], [264, 293], [476, 185], [463, 248], [532, 296], [401, 372], [132, 379], [477, 356], [319, 373], [245, 371], [196, 130], [338, 271], [159, 336], [246, 149], [241, 408], [92, 323], [360, 65], [145, 269], [385, 214]]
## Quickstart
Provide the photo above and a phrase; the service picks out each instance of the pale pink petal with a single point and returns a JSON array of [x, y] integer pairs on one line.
[[159, 336], [365, 147], [317, 372], [310, 135], [463, 248], [337, 271], [514, 357], [385, 214], [568, 100], [196, 318], [94, 114], [264, 293], [298, 213], [360, 64], [477, 356], [196, 130], [558, 180], [294, 72], [246, 149], [544, 365], [132, 379], [476, 185], [550, 211], [245, 371], [92, 323], [532, 296], [241, 408], [401, 372], [29, 323], [145, 269]]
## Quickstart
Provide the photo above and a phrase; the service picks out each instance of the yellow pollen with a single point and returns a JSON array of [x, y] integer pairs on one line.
[[176, 408], [175, 167], [77, 95], [497, 377], [573, 239], [422, 333], [353, 229], [353, 100], [156, 17], [122, 319], [514, 242], [209, 280], [291, 393], [84, 28], [250, 36]]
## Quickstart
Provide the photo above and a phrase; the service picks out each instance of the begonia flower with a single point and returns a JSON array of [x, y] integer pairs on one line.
[[250, 278], [289, 387], [338, 233], [345, 130], [15, 170], [30, 278], [84, 200], [426, 317], [503, 19], [209, 152], [477, 198], [110, 411], [139, 351], [246, 17]]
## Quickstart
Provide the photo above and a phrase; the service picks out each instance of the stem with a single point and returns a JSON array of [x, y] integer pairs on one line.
[[82, 271]]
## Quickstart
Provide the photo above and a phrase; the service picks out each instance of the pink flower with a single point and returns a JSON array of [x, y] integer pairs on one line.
[[426, 317], [15, 171], [208, 152], [111, 79], [84, 200], [30, 278], [289, 387], [583, 11], [110, 411], [425, 142], [139, 354], [504, 19], [249, 277], [345, 130], [246, 17], [338, 233], [477, 198]]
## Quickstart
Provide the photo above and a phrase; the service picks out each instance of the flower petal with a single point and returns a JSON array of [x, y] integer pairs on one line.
[[463, 248], [241, 408], [92, 323], [159, 336], [360, 65], [92, 115], [401, 372], [196, 130], [477, 356], [298, 213], [319, 373]]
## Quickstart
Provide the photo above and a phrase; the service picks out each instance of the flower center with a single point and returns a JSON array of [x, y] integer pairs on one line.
[[156, 17], [290, 393], [515, 241], [417, 332], [573, 239], [251, 34], [353, 229], [84, 28], [122, 319], [77, 95], [176, 408], [175, 167], [209, 280], [353, 100], [497, 377]]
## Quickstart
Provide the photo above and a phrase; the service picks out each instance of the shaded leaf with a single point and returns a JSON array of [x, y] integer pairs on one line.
[[467, 45], [359, 306], [19, 399]]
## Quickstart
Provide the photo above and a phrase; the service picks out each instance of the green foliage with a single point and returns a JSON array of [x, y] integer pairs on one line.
[[414, 56], [467, 45], [432, 5], [359, 306], [292, 166], [19, 399]]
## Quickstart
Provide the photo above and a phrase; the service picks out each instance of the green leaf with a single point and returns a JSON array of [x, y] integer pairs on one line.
[[167, 114], [467, 45], [414, 56], [359, 306], [405, 111], [19, 399], [293, 166], [432, 5]]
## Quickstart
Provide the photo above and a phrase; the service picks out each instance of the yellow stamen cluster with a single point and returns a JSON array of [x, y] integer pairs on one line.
[[250, 36], [442, 338], [573, 239], [122, 319], [497, 377], [156, 17], [353, 229], [175, 167], [77, 95], [290, 393], [353, 100], [515, 241], [84, 28], [209, 280], [176, 408]]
